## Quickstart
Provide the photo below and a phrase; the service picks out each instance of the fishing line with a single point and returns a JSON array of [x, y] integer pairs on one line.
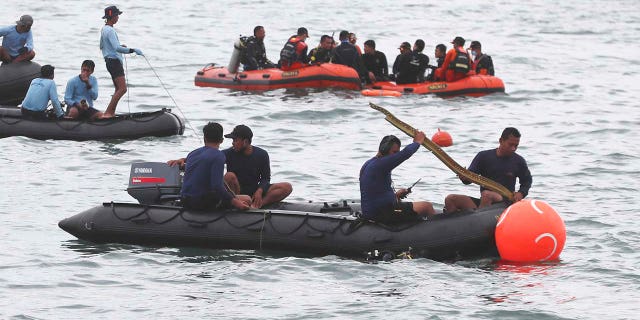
[[172, 99], [126, 81]]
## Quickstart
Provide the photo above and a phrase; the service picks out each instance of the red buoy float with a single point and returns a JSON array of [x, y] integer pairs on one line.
[[442, 138], [530, 230]]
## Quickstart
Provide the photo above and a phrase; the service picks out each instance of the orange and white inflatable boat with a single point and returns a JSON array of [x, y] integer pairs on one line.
[[473, 86], [327, 75]]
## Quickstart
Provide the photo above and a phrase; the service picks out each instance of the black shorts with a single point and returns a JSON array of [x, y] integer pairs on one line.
[[403, 212], [114, 66], [29, 114], [84, 114], [249, 192]]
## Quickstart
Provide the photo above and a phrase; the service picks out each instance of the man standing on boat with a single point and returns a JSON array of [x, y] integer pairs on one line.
[[502, 165], [81, 91], [203, 186], [482, 63], [254, 56], [41, 91], [17, 41], [112, 52], [249, 170], [379, 201]]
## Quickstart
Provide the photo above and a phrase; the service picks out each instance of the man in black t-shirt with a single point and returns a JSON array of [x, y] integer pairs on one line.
[[249, 170], [375, 61]]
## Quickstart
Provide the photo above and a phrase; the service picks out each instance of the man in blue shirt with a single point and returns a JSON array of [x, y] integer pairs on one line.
[[379, 201], [203, 186], [112, 52], [249, 170], [41, 90], [17, 41], [81, 91], [502, 165]]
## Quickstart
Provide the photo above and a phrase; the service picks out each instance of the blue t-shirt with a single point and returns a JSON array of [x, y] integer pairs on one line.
[[503, 170], [110, 45], [41, 90], [204, 173], [12, 40], [77, 90], [253, 171], [376, 193]]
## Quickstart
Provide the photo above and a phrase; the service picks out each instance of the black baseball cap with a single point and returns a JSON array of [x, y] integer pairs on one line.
[[475, 44], [240, 131], [111, 11]]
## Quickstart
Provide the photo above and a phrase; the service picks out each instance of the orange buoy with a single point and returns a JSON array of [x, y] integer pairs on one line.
[[380, 93], [442, 138], [530, 230]]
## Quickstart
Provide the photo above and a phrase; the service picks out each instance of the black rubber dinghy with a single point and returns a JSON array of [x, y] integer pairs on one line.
[[305, 228], [15, 79], [160, 123]]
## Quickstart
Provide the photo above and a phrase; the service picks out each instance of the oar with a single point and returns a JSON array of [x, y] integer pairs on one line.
[[444, 157]]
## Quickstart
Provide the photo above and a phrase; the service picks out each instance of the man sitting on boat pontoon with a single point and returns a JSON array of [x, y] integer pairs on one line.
[[254, 56], [17, 41], [379, 201], [41, 90]]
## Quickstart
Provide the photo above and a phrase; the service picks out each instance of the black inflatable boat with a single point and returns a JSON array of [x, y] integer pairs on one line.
[[123, 126], [15, 79], [306, 228]]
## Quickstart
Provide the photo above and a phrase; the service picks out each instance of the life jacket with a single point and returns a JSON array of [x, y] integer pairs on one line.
[[288, 52], [461, 63]]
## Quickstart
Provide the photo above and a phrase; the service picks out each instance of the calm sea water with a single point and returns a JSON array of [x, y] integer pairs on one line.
[[571, 71]]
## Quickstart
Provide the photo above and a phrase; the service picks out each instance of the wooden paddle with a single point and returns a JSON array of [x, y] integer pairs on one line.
[[445, 158]]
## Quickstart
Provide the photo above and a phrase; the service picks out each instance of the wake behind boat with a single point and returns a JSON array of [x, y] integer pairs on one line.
[[159, 123]]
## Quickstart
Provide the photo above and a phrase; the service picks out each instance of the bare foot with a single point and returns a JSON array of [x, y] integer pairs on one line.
[[106, 116]]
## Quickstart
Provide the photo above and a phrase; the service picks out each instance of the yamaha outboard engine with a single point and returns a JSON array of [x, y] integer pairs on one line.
[[154, 182]]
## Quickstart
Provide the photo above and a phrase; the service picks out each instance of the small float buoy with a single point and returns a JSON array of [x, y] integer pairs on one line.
[[530, 230], [380, 93], [442, 138]]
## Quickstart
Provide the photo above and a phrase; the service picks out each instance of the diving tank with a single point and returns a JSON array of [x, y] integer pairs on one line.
[[234, 62]]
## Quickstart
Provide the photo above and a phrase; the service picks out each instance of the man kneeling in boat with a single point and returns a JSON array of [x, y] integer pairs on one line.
[[379, 201], [502, 165], [203, 186], [41, 90], [81, 91], [249, 171]]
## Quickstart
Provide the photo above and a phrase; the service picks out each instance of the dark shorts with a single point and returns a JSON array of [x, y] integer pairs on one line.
[[203, 203], [403, 212], [114, 66], [29, 114], [84, 114], [251, 191]]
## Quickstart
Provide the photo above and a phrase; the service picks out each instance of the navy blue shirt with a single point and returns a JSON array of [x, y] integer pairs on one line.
[[503, 170], [376, 193], [253, 171], [203, 175]]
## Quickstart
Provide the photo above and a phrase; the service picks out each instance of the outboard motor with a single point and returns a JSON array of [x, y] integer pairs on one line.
[[154, 182], [234, 62]]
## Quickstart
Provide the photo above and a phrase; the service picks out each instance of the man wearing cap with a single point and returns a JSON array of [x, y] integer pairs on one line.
[[502, 165], [112, 52], [294, 53], [406, 67], [203, 185], [249, 170], [254, 56], [482, 63], [41, 91], [17, 41], [347, 54], [457, 62], [380, 202]]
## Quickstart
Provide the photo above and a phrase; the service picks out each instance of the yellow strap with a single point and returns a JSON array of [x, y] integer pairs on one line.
[[445, 158]]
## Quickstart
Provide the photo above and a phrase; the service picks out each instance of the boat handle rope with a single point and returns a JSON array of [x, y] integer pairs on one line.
[[444, 157]]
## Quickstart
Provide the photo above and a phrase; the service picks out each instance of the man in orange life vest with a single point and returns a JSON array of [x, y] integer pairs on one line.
[[456, 63], [294, 53], [482, 63]]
